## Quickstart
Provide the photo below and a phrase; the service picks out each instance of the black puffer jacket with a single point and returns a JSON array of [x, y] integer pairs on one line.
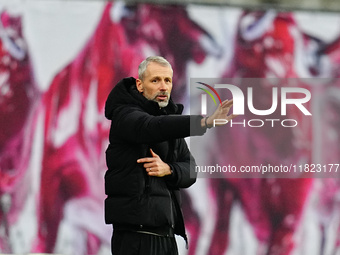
[[134, 199]]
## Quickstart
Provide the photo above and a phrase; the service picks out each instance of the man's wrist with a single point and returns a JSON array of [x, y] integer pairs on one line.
[[205, 122], [171, 174], [171, 171]]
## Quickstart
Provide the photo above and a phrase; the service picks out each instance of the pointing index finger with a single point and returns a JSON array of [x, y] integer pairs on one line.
[[143, 160]]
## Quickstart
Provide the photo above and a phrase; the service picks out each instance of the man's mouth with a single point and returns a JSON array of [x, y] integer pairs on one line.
[[162, 97]]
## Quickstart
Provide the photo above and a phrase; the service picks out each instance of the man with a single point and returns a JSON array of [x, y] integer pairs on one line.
[[148, 160]]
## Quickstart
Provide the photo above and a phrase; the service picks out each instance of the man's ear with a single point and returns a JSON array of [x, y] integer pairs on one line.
[[139, 85]]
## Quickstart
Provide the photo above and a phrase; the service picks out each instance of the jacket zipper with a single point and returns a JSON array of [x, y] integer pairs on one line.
[[172, 211]]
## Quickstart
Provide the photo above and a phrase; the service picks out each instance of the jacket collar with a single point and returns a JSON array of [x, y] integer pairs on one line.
[[125, 92]]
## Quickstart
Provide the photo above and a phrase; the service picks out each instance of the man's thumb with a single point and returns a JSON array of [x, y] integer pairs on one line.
[[153, 154]]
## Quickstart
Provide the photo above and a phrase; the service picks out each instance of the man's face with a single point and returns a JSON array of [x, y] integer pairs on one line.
[[157, 83]]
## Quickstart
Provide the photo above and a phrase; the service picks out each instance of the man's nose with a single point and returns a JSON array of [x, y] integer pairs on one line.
[[163, 86]]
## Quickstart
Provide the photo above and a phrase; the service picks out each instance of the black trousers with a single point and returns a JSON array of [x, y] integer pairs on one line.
[[134, 243]]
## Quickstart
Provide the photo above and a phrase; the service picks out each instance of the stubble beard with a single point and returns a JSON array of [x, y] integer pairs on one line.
[[161, 104]]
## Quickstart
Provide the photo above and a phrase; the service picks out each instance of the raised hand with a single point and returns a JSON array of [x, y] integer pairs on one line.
[[220, 117]]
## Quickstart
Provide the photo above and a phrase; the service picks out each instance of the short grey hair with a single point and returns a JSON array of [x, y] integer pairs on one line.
[[156, 59]]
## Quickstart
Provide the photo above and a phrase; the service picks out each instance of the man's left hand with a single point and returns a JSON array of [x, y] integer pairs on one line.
[[155, 166]]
